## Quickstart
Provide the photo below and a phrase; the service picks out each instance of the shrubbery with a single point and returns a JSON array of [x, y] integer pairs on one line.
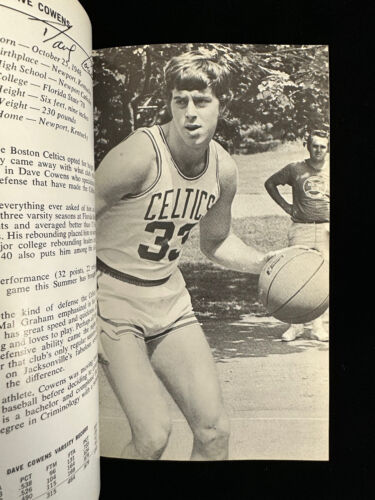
[[279, 93]]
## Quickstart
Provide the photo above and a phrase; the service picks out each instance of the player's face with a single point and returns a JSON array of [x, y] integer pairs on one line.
[[195, 114], [318, 148]]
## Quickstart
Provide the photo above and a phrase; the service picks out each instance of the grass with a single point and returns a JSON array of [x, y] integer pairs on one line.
[[218, 293], [224, 295], [255, 169], [264, 233], [267, 232]]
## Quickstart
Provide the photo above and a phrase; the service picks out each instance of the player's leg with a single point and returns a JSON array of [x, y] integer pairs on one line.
[[184, 363], [128, 369], [139, 392]]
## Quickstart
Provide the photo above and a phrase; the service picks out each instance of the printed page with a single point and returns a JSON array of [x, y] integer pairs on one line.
[[48, 356], [187, 112]]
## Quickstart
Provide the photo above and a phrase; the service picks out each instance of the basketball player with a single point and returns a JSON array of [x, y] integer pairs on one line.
[[309, 210], [152, 189]]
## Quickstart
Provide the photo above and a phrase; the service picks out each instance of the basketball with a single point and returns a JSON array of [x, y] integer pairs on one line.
[[294, 285]]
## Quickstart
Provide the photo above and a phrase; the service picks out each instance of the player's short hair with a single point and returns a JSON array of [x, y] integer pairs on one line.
[[316, 133], [197, 70]]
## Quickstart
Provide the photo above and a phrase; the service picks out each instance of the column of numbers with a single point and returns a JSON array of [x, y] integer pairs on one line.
[[26, 487], [71, 465], [95, 437], [86, 452], [51, 479]]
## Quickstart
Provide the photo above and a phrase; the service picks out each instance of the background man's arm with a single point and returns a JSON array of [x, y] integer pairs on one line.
[[217, 240], [271, 186]]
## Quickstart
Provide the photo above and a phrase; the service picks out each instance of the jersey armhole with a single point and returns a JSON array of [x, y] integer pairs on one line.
[[217, 171], [158, 166]]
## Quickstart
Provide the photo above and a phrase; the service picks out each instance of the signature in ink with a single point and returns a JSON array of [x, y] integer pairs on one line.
[[58, 44]]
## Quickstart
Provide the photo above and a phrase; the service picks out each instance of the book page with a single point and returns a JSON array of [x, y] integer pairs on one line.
[[184, 113], [48, 355]]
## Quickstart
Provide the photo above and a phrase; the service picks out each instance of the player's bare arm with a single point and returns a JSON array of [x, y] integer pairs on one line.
[[217, 240], [271, 186], [124, 171]]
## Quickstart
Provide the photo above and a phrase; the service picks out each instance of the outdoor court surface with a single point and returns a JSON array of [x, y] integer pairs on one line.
[[276, 393]]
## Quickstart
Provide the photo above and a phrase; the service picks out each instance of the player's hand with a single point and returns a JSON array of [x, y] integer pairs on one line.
[[270, 255], [311, 249], [266, 257], [304, 247], [273, 253]]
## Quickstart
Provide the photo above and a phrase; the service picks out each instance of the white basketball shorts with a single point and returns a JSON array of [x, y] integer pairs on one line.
[[146, 312]]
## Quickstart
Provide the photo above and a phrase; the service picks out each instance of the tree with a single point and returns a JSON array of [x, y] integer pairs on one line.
[[279, 91]]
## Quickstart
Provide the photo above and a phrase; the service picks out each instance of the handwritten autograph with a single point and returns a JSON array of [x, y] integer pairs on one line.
[[58, 44], [61, 30]]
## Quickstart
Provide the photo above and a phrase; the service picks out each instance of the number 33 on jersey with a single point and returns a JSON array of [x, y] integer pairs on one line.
[[158, 221]]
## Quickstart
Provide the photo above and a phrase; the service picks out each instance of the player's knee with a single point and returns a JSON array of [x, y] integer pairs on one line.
[[213, 432], [153, 440]]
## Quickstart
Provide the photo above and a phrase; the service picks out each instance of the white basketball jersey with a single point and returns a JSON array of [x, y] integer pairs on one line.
[[143, 235]]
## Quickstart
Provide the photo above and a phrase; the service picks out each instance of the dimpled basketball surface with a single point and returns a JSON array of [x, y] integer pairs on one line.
[[294, 285]]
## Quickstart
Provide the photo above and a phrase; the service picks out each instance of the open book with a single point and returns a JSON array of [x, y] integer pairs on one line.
[[55, 96]]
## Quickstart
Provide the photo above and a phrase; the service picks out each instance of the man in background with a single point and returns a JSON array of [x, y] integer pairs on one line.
[[309, 211]]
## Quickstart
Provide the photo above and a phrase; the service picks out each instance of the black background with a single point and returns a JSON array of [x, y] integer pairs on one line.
[[348, 29]]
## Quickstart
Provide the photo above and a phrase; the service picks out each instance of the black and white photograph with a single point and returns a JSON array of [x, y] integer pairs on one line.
[[182, 309], [213, 210]]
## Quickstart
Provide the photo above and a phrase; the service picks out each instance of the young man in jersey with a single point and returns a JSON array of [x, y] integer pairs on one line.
[[309, 210], [152, 189]]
